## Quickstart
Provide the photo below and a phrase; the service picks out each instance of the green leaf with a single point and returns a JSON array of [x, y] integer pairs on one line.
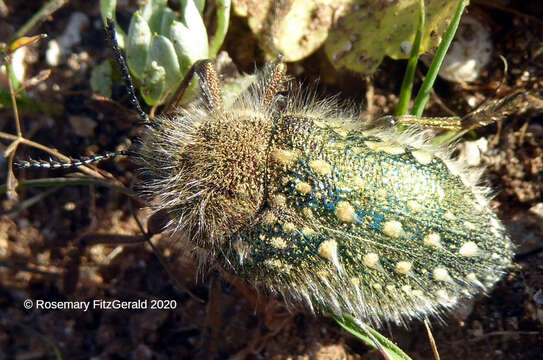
[[101, 79], [189, 46], [162, 73], [152, 13], [367, 30], [349, 324], [223, 18], [168, 16], [138, 44], [107, 9], [153, 87]]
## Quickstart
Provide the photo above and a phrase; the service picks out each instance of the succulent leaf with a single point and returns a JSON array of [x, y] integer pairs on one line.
[[189, 46], [162, 73], [368, 30], [138, 44]]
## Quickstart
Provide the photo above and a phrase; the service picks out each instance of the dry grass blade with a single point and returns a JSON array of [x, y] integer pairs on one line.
[[432, 340]]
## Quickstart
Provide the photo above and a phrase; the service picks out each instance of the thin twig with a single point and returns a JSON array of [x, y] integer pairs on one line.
[[48, 182], [13, 100], [16, 267], [28, 202], [432, 340]]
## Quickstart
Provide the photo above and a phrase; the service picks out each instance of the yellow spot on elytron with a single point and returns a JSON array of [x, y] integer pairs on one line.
[[422, 157], [469, 225], [355, 281], [307, 212], [449, 215], [377, 286], [345, 211], [328, 250], [276, 263], [472, 278], [403, 267], [340, 131], [269, 218], [370, 259], [392, 149], [289, 227], [381, 193], [390, 288], [307, 231], [278, 242], [358, 182], [392, 228], [432, 240], [303, 188], [284, 157], [441, 274], [321, 167], [417, 293], [469, 249], [279, 200], [357, 149], [406, 288], [323, 274], [414, 205], [443, 295]]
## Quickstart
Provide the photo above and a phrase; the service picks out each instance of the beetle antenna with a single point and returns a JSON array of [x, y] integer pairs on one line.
[[110, 29], [54, 164]]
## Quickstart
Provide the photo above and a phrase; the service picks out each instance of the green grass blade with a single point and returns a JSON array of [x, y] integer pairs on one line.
[[426, 88], [223, 18], [409, 76], [349, 324]]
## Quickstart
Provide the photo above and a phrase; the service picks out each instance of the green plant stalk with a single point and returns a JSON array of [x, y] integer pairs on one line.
[[409, 76], [223, 18], [349, 324], [107, 9], [44, 12], [426, 88], [12, 77]]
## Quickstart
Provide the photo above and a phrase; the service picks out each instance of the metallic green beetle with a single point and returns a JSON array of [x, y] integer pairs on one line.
[[294, 195]]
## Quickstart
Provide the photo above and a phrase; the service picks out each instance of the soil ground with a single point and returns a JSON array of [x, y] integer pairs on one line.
[[41, 256]]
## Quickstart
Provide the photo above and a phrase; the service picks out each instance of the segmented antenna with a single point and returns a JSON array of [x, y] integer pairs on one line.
[[54, 164], [110, 29]]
